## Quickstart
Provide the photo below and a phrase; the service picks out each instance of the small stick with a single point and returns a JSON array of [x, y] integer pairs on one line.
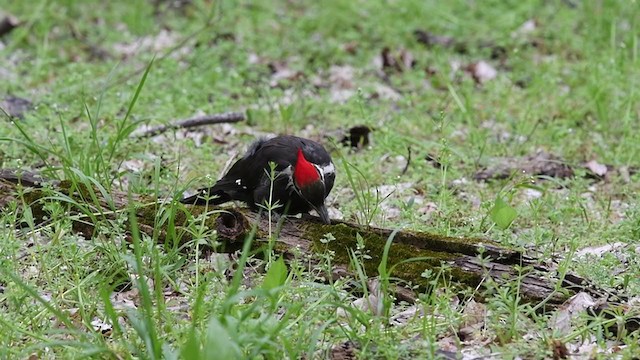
[[406, 166], [228, 117]]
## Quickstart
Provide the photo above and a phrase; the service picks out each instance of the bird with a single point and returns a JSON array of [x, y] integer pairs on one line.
[[304, 176]]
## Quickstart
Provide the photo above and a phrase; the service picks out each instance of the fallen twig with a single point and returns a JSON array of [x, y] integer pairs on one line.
[[228, 117], [406, 166]]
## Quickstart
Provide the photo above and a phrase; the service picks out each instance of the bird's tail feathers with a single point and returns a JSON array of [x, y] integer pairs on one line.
[[220, 193]]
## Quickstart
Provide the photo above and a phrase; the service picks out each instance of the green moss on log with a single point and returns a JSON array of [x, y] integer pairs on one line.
[[399, 253]]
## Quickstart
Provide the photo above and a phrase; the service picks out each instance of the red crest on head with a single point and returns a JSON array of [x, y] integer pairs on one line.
[[304, 172]]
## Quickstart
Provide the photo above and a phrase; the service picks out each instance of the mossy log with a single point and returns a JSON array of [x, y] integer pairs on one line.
[[468, 261]]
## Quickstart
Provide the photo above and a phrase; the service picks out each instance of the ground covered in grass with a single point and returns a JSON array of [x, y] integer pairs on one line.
[[514, 121]]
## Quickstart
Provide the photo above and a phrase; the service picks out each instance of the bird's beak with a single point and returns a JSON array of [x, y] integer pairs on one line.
[[323, 213]]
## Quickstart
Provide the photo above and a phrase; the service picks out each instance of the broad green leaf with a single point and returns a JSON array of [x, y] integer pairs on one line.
[[219, 344], [502, 213], [276, 275], [191, 348]]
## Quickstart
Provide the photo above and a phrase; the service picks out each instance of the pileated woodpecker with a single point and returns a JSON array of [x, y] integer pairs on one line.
[[304, 176]]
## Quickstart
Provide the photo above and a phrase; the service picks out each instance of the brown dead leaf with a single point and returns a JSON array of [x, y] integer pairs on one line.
[[341, 83], [399, 61], [527, 27], [342, 77], [251, 273], [134, 165], [481, 72], [596, 168], [428, 208], [625, 173], [598, 251], [14, 106], [340, 96], [572, 308], [429, 39], [255, 59], [344, 351], [606, 172], [334, 212], [375, 290], [351, 47], [448, 348], [430, 71], [102, 327], [284, 74], [474, 313], [404, 192], [434, 160], [402, 318], [6, 188], [405, 294], [543, 163], [470, 334], [539, 164], [384, 92], [586, 349], [385, 191], [339, 272], [500, 54], [560, 350], [125, 299], [163, 40], [370, 304], [281, 73]]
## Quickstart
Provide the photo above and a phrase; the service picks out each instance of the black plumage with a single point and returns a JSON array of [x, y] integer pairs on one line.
[[297, 191]]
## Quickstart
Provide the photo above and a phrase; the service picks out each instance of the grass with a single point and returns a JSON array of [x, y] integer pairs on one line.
[[578, 99]]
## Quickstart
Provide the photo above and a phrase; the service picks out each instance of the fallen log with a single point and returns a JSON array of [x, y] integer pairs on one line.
[[468, 261]]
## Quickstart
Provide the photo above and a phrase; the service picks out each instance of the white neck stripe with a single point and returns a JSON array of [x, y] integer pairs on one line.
[[327, 169]]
